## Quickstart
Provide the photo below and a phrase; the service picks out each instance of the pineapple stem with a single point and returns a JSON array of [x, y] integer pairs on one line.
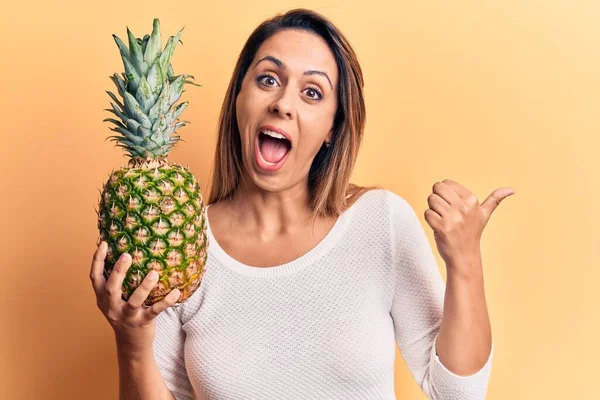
[[148, 163]]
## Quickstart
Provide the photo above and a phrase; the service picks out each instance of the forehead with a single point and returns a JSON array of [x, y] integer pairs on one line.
[[300, 51]]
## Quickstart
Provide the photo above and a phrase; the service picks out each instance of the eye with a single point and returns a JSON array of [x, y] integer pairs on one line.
[[267, 80], [314, 93]]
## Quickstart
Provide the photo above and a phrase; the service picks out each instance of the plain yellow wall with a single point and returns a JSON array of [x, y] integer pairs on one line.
[[490, 94]]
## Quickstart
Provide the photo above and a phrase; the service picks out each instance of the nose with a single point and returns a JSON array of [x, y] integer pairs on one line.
[[283, 103]]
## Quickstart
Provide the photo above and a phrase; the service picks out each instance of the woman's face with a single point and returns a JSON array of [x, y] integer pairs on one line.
[[285, 108]]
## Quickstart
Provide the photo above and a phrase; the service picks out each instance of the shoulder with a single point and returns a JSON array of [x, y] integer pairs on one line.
[[383, 206], [392, 202], [400, 215], [398, 205], [219, 215], [406, 226]]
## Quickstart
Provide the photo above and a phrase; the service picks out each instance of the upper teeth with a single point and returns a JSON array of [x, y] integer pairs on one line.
[[274, 134]]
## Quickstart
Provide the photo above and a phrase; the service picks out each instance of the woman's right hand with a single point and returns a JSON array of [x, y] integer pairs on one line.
[[133, 324]]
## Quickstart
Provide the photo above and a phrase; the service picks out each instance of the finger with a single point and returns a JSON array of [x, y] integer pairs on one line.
[[437, 204], [97, 270], [462, 191], [433, 219], [157, 308], [489, 205], [447, 193], [140, 294], [117, 276]]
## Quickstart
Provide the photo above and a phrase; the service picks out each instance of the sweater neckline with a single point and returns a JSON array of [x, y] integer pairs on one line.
[[298, 264]]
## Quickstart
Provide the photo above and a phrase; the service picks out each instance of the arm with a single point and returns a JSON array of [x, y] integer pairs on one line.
[[139, 377], [464, 342], [418, 308], [169, 352], [138, 337]]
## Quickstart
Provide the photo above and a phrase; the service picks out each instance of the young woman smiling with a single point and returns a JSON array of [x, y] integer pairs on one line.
[[311, 281]]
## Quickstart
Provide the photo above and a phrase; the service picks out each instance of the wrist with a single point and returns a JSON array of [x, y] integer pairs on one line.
[[467, 267], [129, 350]]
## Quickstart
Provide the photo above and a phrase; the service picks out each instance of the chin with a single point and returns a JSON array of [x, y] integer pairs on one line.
[[272, 184]]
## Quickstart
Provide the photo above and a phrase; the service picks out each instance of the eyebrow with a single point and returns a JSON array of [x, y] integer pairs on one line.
[[281, 65]]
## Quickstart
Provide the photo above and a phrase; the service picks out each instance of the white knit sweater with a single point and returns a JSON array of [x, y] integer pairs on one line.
[[323, 326]]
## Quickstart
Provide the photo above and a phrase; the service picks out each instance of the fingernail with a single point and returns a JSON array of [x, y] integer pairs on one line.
[[152, 275], [177, 293], [103, 245], [123, 256]]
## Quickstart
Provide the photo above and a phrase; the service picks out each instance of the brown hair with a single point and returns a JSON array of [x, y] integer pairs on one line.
[[328, 181]]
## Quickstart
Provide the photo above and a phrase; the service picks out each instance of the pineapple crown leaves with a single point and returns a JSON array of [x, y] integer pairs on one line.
[[148, 90]]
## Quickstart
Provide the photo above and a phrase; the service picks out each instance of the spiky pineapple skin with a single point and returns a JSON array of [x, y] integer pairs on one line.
[[155, 212]]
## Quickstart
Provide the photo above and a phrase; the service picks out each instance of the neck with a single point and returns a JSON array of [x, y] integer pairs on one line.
[[271, 214]]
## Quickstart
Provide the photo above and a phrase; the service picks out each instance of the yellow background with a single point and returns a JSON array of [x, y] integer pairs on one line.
[[487, 93]]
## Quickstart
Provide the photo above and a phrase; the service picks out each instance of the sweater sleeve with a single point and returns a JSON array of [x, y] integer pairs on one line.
[[169, 353], [417, 309]]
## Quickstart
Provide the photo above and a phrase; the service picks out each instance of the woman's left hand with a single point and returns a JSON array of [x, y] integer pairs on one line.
[[457, 220]]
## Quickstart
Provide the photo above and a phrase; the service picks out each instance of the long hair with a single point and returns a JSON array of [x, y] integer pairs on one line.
[[330, 191]]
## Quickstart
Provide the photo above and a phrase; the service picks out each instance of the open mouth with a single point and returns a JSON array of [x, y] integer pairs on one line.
[[273, 149]]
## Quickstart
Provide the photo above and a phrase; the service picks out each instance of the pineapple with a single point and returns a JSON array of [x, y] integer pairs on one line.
[[150, 208]]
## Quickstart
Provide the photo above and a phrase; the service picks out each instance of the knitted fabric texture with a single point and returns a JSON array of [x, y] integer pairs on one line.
[[323, 326]]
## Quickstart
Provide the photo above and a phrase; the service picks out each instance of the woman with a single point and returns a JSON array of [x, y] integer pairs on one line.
[[310, 281]]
